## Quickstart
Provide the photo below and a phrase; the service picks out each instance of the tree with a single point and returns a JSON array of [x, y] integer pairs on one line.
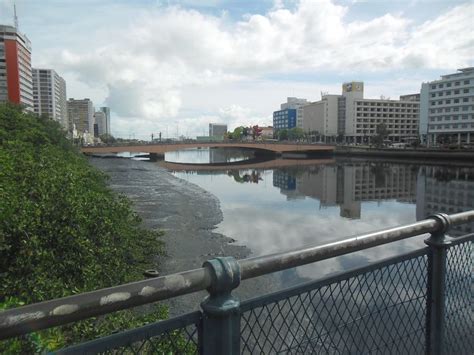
[[283, 134], [295, 133], [238, 132], [256, 132], [108, 138], [382, 132], [62, 230]]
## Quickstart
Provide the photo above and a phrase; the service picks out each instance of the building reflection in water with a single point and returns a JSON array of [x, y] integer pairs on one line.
[[348, 185], [448, 190], [433, 189]]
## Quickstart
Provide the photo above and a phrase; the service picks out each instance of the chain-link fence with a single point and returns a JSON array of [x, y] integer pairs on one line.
[[376, 309], [459, 297], [179, 335]]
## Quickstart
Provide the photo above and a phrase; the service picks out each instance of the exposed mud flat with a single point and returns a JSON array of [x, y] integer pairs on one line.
[[186, 213]]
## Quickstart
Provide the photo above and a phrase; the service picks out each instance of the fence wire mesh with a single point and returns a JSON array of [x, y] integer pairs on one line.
[[459, 294], [377, 311], [176, 336]]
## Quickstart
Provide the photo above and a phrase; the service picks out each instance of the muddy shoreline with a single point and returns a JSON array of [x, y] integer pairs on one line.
[[186, 213]]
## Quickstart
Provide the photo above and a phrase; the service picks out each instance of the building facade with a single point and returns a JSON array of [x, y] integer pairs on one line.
[[49, 94], [16, 83], [217, 130], [321, 118], [100, 124], [355, 119], [106, 111], [296, 104], [284, 119], [81, 116], [447, 109]]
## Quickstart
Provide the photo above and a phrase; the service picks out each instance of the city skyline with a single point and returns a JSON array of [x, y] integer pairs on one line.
[[249, 58]]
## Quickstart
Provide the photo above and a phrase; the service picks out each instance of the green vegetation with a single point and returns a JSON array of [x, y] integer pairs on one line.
[[291, 134], [382, 132], [62, 231]]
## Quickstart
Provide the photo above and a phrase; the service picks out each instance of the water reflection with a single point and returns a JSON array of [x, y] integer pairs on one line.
[[209, 155], [348, 185], [280, 209]]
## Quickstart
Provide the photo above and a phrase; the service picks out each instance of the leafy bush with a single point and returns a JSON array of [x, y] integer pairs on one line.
[[62, 230]]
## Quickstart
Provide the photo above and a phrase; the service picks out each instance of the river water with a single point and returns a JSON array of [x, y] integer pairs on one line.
[[291, 205]]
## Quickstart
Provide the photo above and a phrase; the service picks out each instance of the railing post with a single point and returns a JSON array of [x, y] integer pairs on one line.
[[221, 321], [436, 293]]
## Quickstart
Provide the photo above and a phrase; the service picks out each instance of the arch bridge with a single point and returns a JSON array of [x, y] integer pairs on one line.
[[161, 148]]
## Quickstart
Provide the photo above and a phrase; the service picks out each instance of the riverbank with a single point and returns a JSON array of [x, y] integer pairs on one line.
[[419, 153], [186, 213]]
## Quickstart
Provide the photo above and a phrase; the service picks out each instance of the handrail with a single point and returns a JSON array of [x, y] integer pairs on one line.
[[22, 320]]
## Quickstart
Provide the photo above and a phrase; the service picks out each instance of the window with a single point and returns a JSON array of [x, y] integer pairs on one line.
[[456, 101], [457, 83], [465, 91], [465, 99], [440, 93], [466, 82], [448, 85], [448, 101], [433, 87], [448, 92]]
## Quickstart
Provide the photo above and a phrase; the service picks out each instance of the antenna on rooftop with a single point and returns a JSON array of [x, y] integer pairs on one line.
[[15, 17]]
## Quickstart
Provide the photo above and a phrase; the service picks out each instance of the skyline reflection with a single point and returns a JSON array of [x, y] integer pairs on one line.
[[274, 210]]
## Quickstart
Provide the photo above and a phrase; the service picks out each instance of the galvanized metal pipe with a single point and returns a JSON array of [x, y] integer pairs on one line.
[[22, 320]]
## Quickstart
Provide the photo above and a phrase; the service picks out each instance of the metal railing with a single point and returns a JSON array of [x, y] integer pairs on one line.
[[412, 303]]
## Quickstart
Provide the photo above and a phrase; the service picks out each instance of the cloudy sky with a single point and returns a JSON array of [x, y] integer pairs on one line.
[[175, 66]]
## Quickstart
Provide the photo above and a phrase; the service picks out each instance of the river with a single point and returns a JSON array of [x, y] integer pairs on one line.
[[272, 210]]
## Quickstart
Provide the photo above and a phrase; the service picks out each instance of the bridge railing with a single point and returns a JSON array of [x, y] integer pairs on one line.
[[412, 303]]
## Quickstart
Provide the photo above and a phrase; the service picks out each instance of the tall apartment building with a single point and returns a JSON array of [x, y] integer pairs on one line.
[[217, 130], [49, 94], [81, 115], [16, 83], [356, 119], [295, 104], [106, 111], [447, 109]]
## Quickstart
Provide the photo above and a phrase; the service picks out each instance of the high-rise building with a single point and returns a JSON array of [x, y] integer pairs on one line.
[[16, 83], [356, 119], [100, 123], [296, 104], [106, 111], [81, 115], [447, 109], [49, 94], [217, 130]]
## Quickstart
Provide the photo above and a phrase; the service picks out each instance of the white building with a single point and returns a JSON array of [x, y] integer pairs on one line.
[[447, 109], [49, 94], [356, 119], [295, 104], [320, 118], [81, 115]]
